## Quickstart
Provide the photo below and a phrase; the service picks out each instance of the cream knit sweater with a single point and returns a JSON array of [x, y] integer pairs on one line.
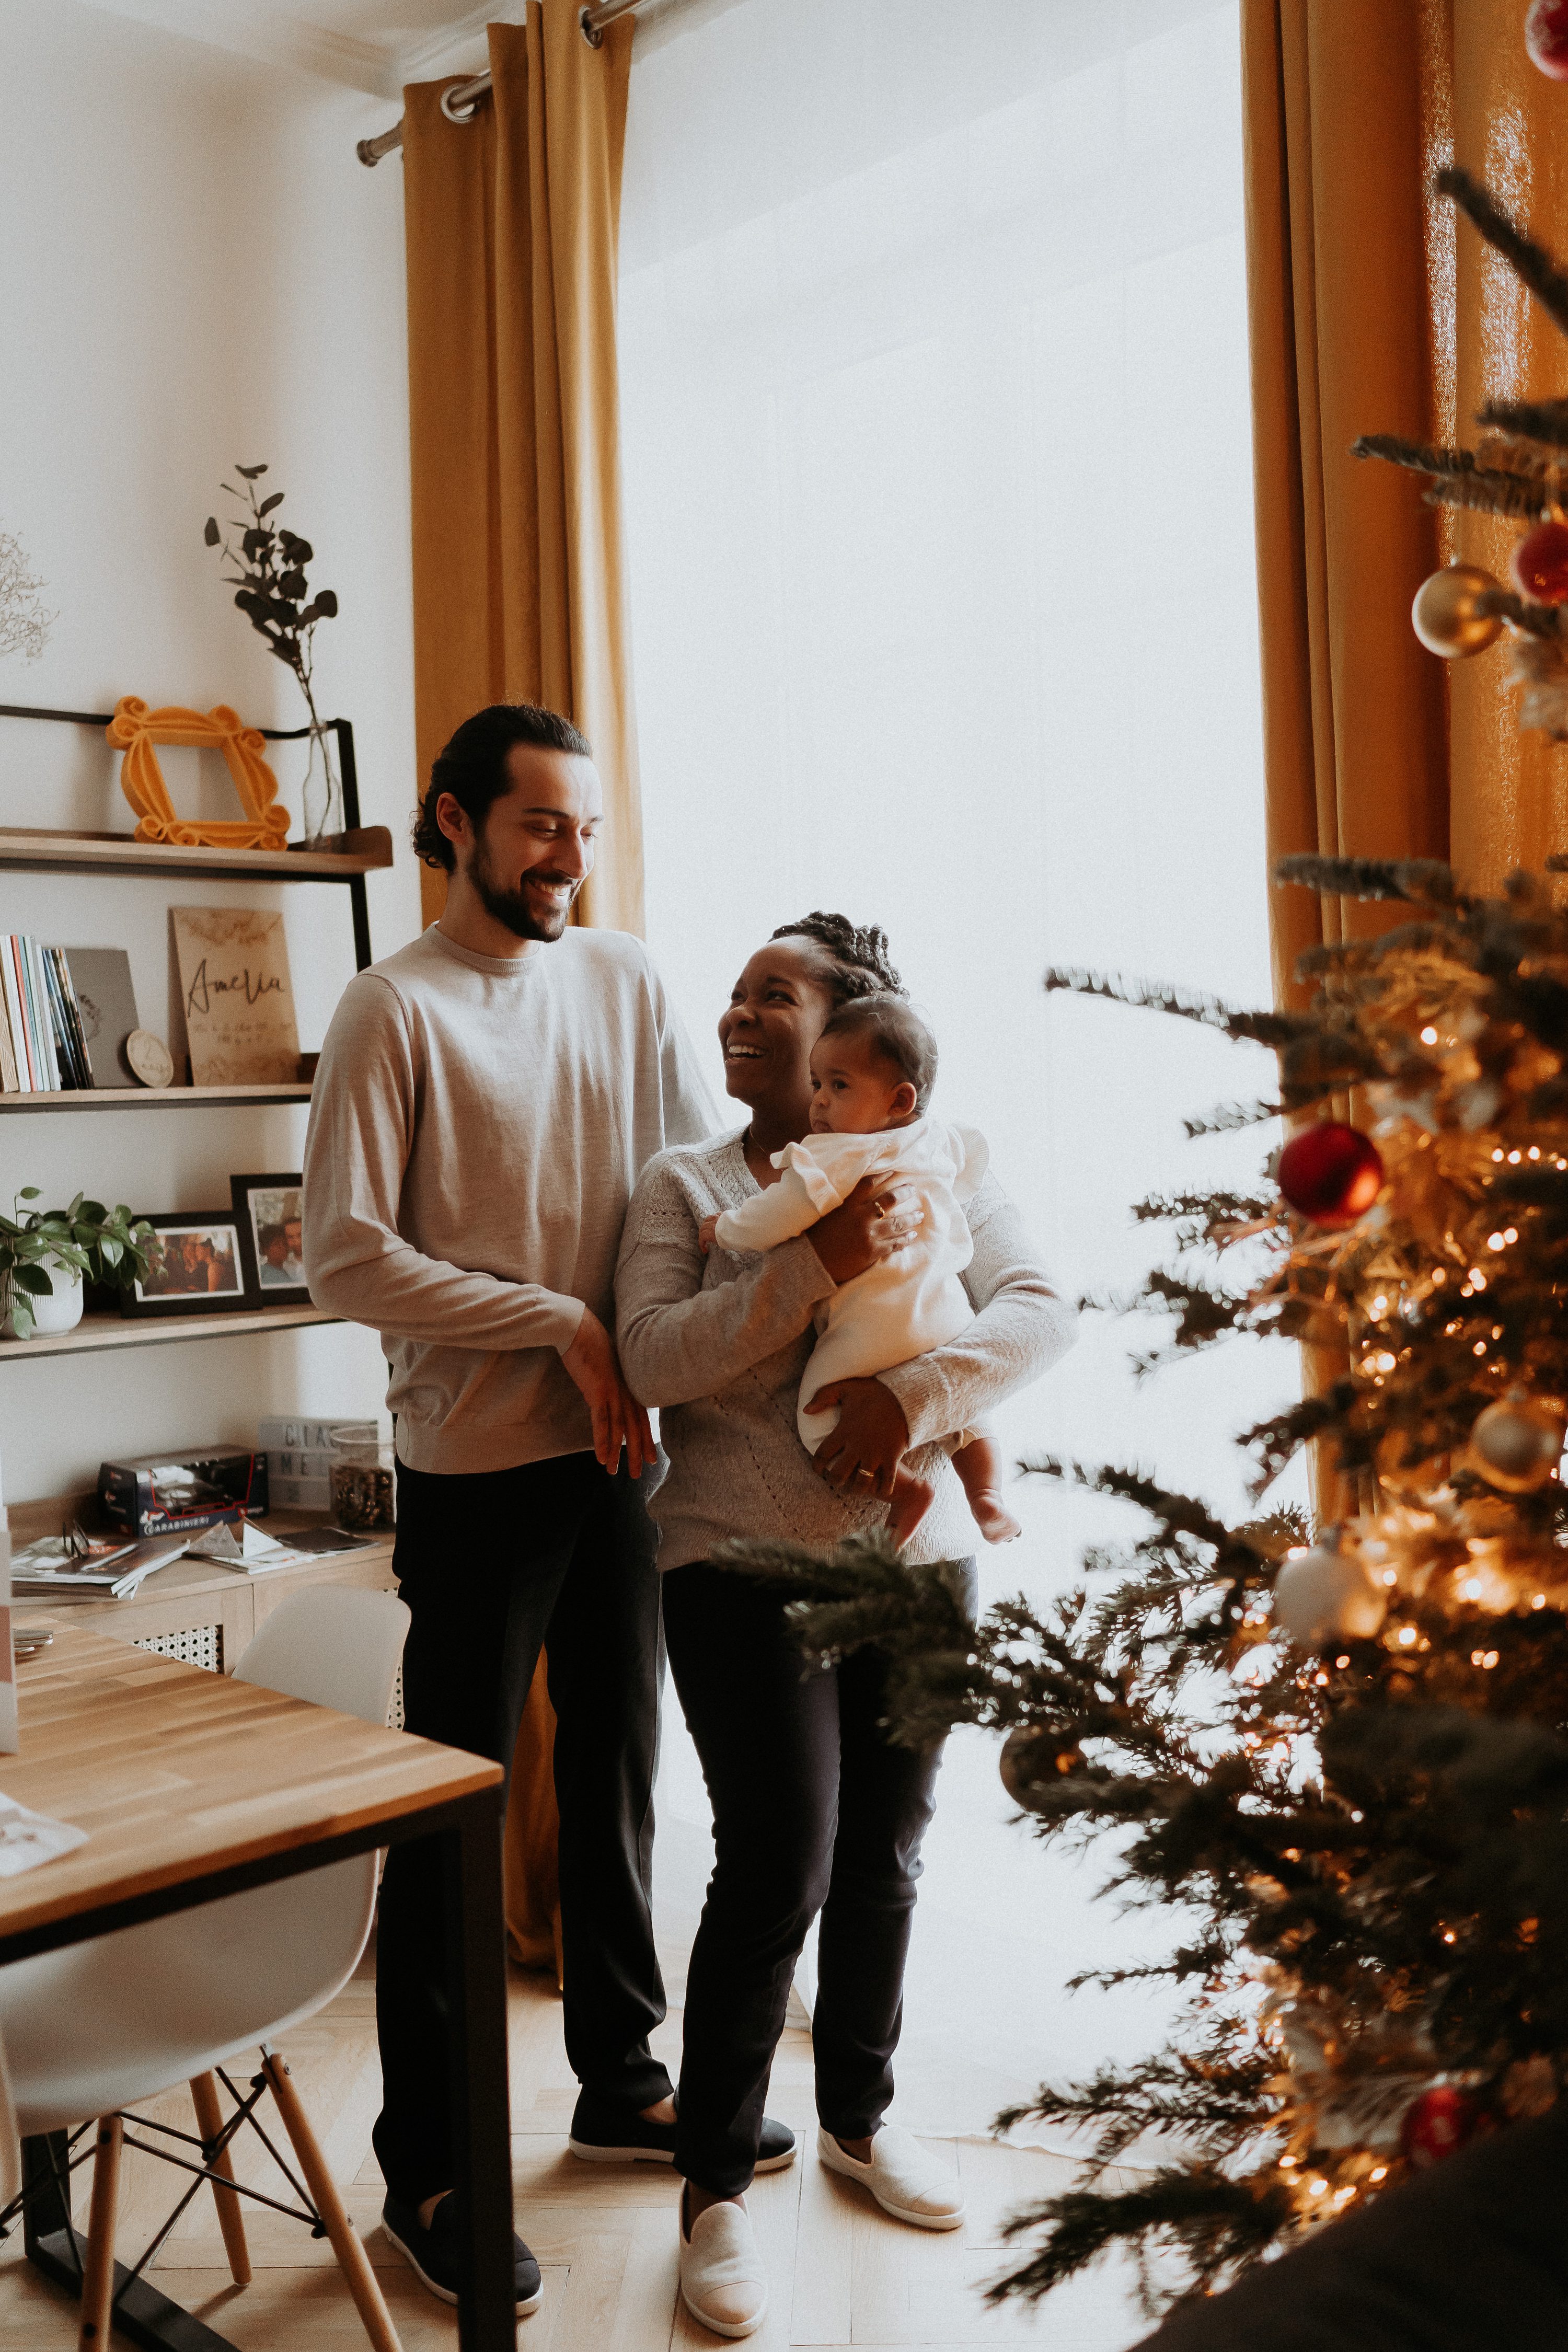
[[719, 1343]]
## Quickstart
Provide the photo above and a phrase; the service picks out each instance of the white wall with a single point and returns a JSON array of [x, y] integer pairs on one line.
[[194, 270]]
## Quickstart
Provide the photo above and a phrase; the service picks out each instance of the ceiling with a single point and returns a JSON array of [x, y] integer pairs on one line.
[[371, 45]]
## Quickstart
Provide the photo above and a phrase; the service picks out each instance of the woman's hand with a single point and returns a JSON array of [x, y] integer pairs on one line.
[[878, 1218], [618, 1418], [705, 1232], [862, 1454]]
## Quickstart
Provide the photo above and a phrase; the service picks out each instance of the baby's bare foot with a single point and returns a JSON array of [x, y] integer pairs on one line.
[[912, 1498], [992, 1516]]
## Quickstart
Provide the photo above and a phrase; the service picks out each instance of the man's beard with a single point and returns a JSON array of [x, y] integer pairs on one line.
[[512, 906]]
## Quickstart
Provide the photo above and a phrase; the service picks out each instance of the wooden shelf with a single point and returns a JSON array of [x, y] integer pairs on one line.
[[37, 850], [153, 1097], [95, 1332]]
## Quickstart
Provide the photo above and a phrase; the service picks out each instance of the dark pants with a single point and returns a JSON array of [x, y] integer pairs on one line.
[[493, 1566], [812, 1811]]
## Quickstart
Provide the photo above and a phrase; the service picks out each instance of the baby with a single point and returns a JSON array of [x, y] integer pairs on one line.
[[871, 1074]]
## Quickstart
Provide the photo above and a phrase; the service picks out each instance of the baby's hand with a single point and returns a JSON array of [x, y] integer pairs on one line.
[[705, 1232]]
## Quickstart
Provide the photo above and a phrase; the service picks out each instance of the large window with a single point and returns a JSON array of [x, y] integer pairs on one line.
[[938, 482]]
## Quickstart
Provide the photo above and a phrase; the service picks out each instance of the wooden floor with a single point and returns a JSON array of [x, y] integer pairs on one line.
[[843, 2273]]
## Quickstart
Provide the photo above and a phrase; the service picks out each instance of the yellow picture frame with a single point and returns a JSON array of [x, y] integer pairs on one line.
[[137, 731]]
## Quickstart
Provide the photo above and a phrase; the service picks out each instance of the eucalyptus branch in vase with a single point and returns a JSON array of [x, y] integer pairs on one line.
[[271, 590]]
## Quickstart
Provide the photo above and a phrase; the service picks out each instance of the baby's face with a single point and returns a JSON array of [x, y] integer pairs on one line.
[[854, 1091]]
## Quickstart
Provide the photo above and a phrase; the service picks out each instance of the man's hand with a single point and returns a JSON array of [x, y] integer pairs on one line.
[[878, 1217], [862, 1454], [618, 1418], [705, 1232]]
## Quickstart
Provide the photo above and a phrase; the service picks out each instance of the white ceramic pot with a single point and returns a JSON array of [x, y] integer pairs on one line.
[[61, 1311]]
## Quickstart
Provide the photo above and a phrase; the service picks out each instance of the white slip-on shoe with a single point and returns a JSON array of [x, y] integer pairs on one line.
[[722, 2282], [904, 2180]]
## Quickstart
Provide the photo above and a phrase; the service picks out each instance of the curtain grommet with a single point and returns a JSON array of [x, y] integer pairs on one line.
[[589, 30]]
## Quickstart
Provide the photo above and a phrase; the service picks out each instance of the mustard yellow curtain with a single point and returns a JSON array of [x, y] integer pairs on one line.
[[1374, 309], [513, 220]]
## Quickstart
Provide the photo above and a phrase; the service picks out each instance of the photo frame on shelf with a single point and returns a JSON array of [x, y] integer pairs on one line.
[[196, 1266], [266, 1212]]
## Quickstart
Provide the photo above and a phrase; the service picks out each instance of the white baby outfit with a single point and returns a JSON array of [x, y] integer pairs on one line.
[[903, 1306]]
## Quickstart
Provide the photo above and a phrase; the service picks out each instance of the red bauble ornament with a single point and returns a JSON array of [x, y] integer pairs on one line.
[[1539, 563], [1436, 2123], [1546, 37], [1331, 1174]]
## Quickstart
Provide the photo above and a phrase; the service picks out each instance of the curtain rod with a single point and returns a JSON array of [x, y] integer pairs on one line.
[[459, 101]]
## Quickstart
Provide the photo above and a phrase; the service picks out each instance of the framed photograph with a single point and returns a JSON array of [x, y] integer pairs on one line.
[[194, 1266], [267, 1211]]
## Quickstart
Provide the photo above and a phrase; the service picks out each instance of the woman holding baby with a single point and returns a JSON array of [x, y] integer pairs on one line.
[[813, 1808]]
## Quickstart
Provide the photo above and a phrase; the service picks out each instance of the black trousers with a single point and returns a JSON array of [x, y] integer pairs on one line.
[[812, 1811], [494, 1565]]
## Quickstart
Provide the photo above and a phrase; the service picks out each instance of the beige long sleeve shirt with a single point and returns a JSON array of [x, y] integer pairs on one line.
[[477, 1127]]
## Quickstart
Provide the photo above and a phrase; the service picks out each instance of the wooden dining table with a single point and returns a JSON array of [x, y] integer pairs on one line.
[[192, 1786]]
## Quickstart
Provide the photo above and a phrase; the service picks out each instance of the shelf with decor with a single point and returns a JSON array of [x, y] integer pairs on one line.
[[365, 849], [356, 852], [156, 1097], [100, 1330], [359, 849]]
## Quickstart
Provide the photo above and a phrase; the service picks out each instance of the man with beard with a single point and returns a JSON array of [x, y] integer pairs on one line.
[[486, 1100]]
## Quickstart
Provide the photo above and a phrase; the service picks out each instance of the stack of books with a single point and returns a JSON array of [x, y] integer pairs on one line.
[[43, 1044]]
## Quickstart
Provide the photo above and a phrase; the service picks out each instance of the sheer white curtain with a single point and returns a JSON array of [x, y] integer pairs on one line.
[[937, 473]]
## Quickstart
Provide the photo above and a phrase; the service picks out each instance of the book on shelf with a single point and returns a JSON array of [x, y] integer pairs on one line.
[[49, 1041]]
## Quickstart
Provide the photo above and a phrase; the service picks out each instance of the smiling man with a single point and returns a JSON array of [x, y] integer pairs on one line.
[[486, 1099]]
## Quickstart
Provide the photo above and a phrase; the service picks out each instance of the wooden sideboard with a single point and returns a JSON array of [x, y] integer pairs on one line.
[[192, 1610]]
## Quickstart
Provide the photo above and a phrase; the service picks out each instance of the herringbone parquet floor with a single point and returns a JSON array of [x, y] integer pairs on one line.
[[844, 2275]]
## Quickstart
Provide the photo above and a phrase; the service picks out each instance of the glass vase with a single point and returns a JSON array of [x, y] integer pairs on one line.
[[322, 805]]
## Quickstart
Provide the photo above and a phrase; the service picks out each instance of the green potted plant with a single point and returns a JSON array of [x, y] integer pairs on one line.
[[46, 1252]]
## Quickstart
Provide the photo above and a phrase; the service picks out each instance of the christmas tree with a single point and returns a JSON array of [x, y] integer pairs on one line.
[[1350, 1757], [1517, 470], [1347, 1755]]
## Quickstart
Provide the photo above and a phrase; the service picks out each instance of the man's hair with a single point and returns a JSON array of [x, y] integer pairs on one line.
[[895, 1032], [472, 768], [858, 959]]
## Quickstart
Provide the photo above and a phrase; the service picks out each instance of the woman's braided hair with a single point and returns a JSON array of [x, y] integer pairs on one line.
[[861, 965]]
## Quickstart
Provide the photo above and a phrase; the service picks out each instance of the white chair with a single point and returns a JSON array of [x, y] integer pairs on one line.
[[90, 2030]]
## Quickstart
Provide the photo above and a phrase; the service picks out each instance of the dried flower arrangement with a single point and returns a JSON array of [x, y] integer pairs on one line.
[[25, 625], [271, 591]]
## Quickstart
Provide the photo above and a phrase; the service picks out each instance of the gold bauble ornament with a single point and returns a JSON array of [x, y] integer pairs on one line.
[[1444, 615], [1030, 1759], [1517, 1443]]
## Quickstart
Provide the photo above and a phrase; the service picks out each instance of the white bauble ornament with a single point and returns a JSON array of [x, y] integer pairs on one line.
[[1325, 1595], [1517, 1443]]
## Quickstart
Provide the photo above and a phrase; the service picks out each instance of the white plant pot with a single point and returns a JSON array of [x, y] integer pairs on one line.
[[61, 1311]]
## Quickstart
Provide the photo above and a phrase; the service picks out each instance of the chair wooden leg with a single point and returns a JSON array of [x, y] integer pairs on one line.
[[352, 2259], [230, 2218], [97, 2276]]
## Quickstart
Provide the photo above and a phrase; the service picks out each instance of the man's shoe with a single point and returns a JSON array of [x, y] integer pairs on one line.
[[604, 2132], [432, 2253]]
